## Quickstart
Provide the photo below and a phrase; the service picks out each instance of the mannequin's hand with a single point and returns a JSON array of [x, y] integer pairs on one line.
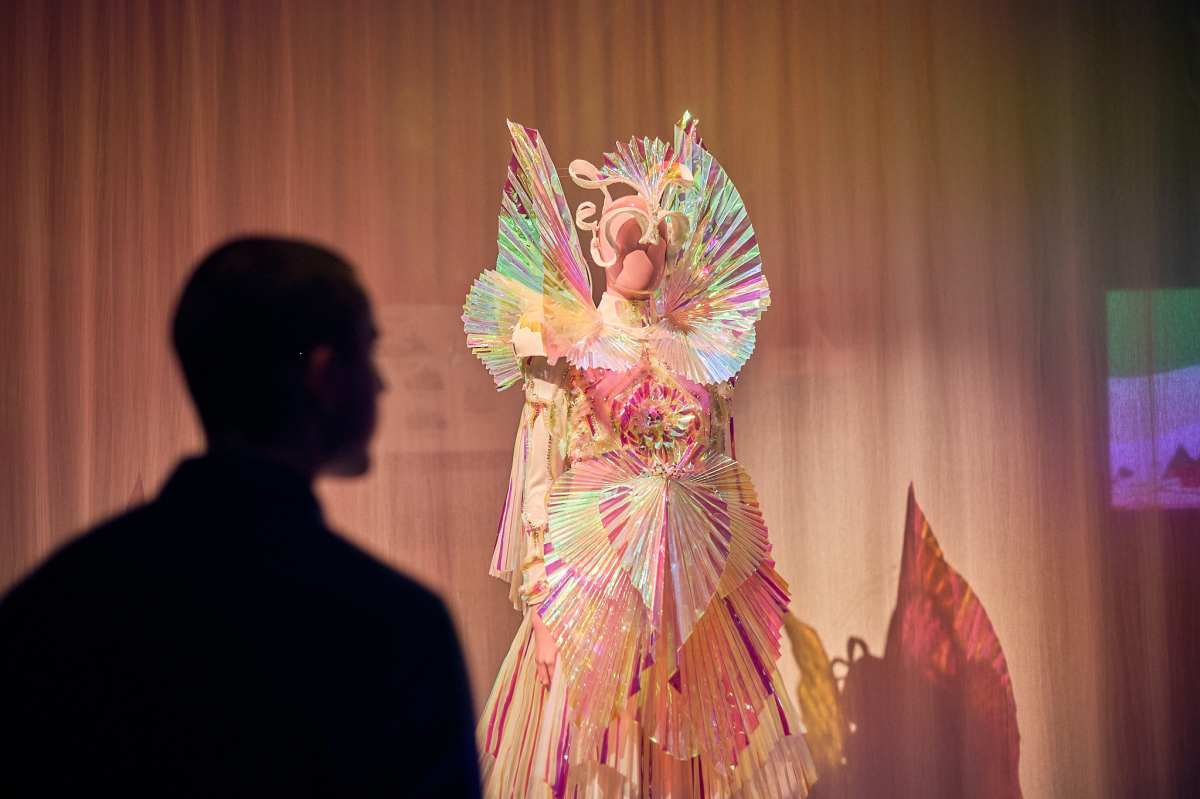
[[545, 649]]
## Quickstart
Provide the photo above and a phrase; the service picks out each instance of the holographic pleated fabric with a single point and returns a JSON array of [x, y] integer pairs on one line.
[[660, 588], [713, 294], [668, 613], [669, 573]]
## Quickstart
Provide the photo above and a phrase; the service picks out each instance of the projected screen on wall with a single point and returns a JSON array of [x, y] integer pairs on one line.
[[1154, 398]]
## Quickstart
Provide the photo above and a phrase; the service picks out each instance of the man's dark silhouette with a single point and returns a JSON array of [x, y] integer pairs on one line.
[[221, 640]]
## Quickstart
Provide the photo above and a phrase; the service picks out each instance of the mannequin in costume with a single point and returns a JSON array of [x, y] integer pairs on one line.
[[633, 542]]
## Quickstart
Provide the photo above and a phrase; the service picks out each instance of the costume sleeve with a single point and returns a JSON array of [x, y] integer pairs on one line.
[[721, 435], [520, 540]]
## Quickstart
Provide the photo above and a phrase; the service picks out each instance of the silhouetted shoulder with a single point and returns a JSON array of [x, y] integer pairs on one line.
[[101, 554], [371, 585]]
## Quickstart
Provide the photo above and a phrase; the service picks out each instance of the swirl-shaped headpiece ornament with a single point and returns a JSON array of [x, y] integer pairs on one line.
[[644, 207]]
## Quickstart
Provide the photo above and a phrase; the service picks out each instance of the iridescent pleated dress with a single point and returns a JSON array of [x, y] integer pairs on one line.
[[629, 527]]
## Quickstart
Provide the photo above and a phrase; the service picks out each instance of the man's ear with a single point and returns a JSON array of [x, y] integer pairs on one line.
[[320, 378]]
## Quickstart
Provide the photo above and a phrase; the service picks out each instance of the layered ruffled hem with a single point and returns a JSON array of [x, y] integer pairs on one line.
[[525, 741]]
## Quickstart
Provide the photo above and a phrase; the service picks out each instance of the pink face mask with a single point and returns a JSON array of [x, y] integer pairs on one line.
[[631, 238]]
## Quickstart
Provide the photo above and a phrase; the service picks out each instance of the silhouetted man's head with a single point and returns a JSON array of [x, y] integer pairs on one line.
[[275, 337]]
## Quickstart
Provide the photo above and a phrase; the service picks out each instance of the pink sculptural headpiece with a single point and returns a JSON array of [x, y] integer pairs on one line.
[[644, 207]]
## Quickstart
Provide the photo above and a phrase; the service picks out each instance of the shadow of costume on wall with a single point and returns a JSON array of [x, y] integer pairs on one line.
[[934, 716]]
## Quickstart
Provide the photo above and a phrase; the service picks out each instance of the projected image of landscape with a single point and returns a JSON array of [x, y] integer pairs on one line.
[[1154, 398]]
